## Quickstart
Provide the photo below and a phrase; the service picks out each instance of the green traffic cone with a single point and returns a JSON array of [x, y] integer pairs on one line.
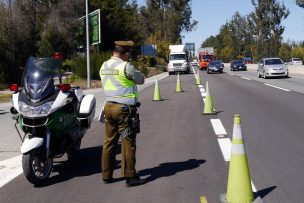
[[208, 107], [197, 78], [156, 92], [239, 182], [178, 85]]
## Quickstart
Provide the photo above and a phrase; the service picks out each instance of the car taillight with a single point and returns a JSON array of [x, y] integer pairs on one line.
[[14, 87], [64, 87]]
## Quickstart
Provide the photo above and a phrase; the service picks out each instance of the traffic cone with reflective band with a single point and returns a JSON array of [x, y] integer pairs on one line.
[[208, 107], [178, 85], [197, 78], [239, 182], [156, 92]]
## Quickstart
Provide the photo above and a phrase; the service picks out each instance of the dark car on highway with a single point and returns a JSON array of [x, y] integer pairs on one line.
[[215, 66], [236, 65]]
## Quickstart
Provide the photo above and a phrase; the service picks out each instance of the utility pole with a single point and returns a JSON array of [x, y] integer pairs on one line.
[[165, 33], [88, 46]]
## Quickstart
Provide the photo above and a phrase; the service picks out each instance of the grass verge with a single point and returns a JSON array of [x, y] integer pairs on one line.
[[5, 97]]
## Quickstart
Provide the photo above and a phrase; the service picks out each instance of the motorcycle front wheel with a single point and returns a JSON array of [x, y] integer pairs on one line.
[[36, 168]]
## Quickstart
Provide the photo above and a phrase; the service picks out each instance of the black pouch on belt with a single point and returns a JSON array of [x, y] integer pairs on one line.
[[134, 123]]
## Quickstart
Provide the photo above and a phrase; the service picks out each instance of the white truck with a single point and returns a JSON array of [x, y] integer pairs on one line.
[[178, 59]]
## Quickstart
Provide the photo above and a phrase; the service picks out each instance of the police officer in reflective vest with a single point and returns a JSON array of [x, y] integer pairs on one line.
[[119, 79]]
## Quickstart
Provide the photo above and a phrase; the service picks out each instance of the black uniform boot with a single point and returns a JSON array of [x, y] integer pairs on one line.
[[134, 181]]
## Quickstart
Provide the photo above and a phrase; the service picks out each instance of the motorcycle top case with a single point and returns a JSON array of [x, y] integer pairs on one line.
[[87, 110]]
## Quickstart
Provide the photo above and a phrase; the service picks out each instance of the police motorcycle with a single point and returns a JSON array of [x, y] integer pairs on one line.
[[53, 116]]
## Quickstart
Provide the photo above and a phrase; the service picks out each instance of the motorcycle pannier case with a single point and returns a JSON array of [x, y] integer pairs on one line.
[[87, 110]]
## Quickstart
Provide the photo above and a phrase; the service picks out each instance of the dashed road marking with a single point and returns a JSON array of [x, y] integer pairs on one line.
[[202, 89], [218, 127], [245, 78], [277, 87], [10, 169], [225, 146]]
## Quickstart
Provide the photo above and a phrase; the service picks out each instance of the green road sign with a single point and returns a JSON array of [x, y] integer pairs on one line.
[[94, 29]]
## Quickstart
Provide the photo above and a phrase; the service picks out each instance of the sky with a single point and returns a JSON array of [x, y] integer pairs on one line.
[[211, 15]]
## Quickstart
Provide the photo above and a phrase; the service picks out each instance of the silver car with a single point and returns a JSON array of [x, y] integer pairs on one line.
[[272, 67]]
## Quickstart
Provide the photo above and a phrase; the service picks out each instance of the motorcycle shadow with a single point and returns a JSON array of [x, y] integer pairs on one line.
[[86, 162]]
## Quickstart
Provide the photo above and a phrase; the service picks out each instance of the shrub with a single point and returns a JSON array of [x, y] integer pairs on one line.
[[78, 65]]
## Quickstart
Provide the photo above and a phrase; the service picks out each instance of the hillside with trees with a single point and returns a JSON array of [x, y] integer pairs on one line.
[[256, 35], [42, 27]]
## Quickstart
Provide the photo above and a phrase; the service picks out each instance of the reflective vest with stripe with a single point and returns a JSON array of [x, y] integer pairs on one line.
[[117, 87]]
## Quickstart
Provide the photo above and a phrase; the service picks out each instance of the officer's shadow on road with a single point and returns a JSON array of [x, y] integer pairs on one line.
[[169, 169], [86, 163]]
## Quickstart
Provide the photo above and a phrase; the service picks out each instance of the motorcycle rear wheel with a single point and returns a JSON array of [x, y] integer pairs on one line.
[[35, 168]]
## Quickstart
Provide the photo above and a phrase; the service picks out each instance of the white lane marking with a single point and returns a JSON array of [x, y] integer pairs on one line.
[[218, 127], [200, 86], [193, 70], [203, 94], [225, 146], [10, 169], [245, 78], [277, 87], [202, 89]]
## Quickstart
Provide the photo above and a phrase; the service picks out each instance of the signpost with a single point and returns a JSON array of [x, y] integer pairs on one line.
[[94, 29], [92, 25]]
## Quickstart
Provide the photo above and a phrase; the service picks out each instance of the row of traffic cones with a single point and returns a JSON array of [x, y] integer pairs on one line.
[[239, 189], [208, 107], [157, 96]]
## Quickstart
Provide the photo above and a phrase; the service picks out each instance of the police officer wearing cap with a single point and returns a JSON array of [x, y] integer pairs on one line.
[[119, 79]]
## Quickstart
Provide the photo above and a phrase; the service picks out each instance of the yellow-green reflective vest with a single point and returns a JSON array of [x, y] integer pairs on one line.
[[117, 87]]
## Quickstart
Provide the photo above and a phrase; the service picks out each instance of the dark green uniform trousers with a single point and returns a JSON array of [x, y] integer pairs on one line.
[[116, 125]]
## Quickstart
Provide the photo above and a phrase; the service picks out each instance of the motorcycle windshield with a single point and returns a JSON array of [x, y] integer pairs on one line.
[[40, 77]]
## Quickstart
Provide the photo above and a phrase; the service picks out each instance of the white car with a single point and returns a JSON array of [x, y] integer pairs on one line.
[[194, 62], [296, 61], [272, 67]]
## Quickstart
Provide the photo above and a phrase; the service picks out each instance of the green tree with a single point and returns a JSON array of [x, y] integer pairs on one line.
[[265, 22], [285, 52], [170, 17], [119, 21], [297, 52], [234, 39], [300, 3]]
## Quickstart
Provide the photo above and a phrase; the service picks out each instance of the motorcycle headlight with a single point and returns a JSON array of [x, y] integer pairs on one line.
[[45, 108], [35, 110], [23, 107]]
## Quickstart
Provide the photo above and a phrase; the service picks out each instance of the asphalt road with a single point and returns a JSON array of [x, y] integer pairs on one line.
[[178, 152]]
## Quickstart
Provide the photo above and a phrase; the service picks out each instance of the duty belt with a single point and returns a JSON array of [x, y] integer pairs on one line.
[[132, 106]]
